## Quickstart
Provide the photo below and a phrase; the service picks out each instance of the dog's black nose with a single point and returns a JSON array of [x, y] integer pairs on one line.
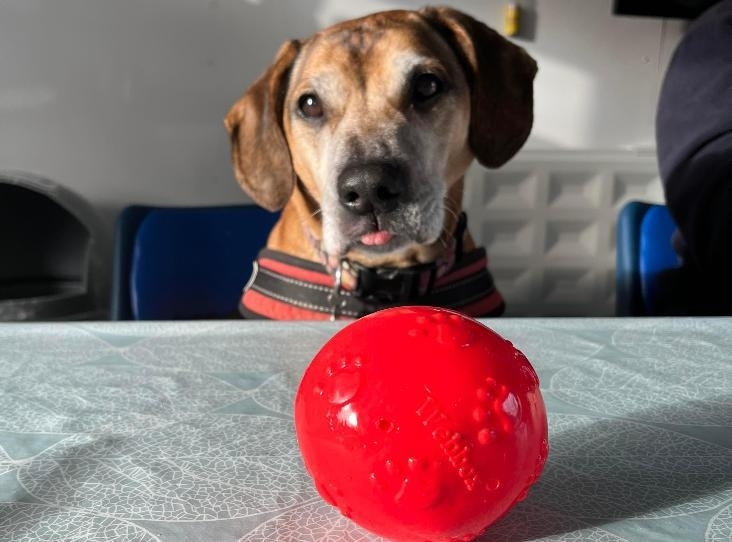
[[375, 187]]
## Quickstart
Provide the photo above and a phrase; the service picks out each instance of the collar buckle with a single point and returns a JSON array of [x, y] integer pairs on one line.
[[393, 285], [336, 298]]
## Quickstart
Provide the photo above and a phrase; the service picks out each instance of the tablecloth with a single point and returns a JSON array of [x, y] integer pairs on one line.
[[183, 431]]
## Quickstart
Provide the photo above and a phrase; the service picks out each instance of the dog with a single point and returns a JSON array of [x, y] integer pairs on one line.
[[361, 136]]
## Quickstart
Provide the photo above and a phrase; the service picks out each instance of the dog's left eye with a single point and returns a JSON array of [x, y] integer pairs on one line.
[[310, 107], [425, 87]]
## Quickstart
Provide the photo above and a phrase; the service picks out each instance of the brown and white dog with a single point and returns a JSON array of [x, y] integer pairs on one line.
[[361, 135]]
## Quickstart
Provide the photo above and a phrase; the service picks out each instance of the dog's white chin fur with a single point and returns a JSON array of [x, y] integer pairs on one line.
[[340, 246]]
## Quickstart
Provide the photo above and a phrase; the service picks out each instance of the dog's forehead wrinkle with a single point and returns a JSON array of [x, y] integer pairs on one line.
[[360, 40], [349, 47], [365, 44]]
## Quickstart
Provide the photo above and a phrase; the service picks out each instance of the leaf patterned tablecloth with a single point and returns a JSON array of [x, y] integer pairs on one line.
[[183, 432]]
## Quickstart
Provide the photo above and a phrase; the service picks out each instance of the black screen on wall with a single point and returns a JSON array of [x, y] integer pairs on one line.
[[677, 9]]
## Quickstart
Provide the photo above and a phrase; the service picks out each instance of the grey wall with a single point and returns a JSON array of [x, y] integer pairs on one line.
[[122, 100]]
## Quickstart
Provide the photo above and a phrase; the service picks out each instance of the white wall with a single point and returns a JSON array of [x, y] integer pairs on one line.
[[122, 100]]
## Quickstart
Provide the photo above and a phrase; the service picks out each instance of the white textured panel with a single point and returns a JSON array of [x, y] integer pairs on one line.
[[641, 185], [517, 283], [568, 286], [509, 237], [567, 239], [511, 190], [548, 222], [575, 190]]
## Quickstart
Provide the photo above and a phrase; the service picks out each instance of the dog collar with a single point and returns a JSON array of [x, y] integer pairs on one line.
[[284, 287]]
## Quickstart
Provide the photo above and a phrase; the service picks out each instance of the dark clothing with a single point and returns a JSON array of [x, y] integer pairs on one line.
[[694, 142]]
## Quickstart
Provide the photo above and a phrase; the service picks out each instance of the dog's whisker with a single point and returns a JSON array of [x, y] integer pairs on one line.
[[449, 209], [444, 235]]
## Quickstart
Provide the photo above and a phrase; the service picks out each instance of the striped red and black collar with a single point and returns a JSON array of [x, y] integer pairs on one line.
[[284, 287]]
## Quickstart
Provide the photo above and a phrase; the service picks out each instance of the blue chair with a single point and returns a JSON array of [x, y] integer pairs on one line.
[[644, 249], [173, 263]]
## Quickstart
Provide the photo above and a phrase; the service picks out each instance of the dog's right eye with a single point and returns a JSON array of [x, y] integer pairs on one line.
[[310, 107]]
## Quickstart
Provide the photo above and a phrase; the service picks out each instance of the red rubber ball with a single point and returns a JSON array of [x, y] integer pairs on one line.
[[421, 424]]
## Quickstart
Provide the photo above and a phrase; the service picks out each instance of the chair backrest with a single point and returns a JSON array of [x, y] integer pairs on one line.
[[644, 249], [185, 262]]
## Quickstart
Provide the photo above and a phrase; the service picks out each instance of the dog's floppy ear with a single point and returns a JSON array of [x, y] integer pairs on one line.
[[259, 151], [501, 77]]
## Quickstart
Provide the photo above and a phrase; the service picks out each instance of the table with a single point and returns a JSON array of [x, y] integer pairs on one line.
[[183, 432]]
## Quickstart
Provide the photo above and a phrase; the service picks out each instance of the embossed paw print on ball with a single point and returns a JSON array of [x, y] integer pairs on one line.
[[421, 424]]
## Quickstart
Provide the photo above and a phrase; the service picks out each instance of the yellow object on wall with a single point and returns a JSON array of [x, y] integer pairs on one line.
[[511, 19]]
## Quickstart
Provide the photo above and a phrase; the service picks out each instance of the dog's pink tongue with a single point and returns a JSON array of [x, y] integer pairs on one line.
[[376, 238]]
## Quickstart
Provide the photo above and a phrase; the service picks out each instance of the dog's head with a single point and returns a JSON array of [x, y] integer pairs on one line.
[[374, 122]]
